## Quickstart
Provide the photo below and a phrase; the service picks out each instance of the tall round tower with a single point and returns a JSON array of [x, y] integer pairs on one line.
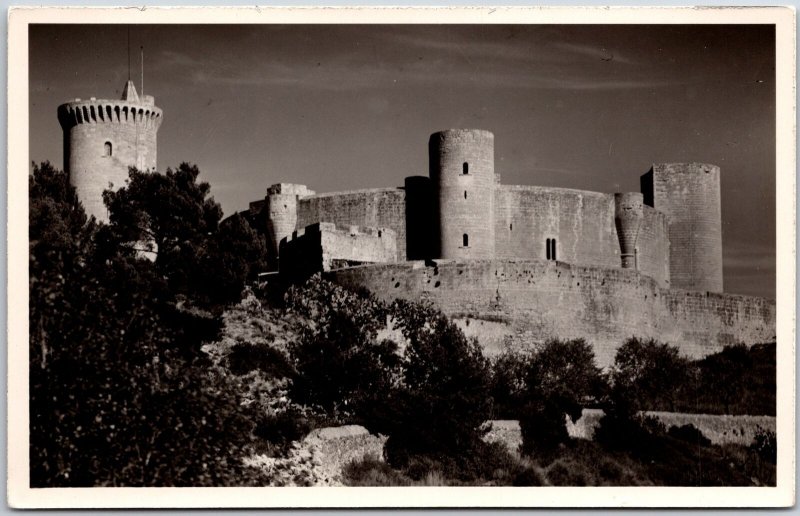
[[462, 171], [102, 138]]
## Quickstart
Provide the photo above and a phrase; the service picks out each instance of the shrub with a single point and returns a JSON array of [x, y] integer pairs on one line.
[[341, 367], [508, 383], [244, 358], [373, 472], [648, 375], [561, 378], [444, 398], [765, 444], [688, 433]]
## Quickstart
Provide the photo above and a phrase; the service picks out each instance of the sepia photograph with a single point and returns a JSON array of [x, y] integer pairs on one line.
[[465, 255]]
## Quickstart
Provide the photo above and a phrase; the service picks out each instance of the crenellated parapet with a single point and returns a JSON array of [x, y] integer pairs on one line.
[[100, 111]]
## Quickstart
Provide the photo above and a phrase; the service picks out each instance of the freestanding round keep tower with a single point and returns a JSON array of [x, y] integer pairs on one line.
[[462, 171], [102, 138]]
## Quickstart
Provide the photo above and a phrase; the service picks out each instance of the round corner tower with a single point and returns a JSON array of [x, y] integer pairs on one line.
[[103, 138], [281, 215], [462, 172], [689, 195]]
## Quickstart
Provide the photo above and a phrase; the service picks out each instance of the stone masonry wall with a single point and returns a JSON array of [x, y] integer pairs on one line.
[[323, 246], [689, 195], [581, 222], [382, 207], [523, 302]]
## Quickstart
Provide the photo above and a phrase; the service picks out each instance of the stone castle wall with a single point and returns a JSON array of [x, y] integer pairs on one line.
[[582, 223], [522, 302], [376, 208], [323, 246]]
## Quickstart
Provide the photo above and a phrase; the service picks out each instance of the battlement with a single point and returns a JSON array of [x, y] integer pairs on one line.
[[332, 228], [100, 111], [289, 189]]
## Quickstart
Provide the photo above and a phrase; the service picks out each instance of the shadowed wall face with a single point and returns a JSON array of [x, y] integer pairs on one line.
[[462, 170], [422, 220], [689, 195]]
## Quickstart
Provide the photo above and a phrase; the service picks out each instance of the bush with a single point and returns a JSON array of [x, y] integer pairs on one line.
[[562, 377], [244, 358], [648, 375], [373, 472], [341, 366], [765, 444], [443, 399], [509, 382], [690, 434]]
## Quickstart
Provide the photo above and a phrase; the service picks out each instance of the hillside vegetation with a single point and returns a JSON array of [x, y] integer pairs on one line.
[[152, 363]]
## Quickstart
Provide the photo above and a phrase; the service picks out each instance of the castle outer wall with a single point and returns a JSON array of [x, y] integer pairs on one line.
[[523, 302], [581, 222]]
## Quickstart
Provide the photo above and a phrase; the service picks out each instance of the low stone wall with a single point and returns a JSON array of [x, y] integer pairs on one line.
[[719, 429], [337, 446]]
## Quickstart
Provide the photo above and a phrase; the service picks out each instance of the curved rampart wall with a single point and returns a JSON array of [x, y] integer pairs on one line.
[[529, 301], [653, 246], [384, 207], [582, 224]]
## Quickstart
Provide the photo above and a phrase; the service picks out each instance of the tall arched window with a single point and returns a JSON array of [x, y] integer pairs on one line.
[[465, 240], [465, 168], [550, 248], [107, 149]]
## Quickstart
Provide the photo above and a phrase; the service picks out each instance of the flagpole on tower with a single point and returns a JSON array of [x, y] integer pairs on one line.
[[142, 57], [129, 53]]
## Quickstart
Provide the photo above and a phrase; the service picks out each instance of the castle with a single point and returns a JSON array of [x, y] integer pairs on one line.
[[511, 264]]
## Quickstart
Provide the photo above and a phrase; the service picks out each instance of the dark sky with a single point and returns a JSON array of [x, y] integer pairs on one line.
[[341, 107]]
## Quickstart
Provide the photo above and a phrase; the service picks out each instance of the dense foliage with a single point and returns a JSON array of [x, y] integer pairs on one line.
[[172, 217], [429, 393], [120, 393], [562, 378]]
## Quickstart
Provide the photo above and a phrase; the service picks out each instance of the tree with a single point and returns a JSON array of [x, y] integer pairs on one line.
[[444, 399], [509, 383], [236, 254], [648, 375], [341, 364], [120, 393], [562, 378], [172, 216], [169, 215], [725, 375]]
